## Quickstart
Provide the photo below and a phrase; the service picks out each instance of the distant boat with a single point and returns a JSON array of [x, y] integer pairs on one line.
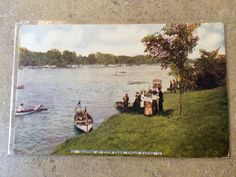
[[136, 82], [73, 66], [20, 86], [30, 111], [122, 73], [83, 121]]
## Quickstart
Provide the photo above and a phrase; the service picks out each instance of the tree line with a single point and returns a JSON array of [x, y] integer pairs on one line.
[[65, 58]]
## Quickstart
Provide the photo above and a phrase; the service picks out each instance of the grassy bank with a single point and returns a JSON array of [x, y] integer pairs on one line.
[[202, 131]]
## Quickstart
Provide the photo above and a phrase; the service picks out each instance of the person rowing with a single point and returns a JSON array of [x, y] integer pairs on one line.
[[37, 107], [20, 108]]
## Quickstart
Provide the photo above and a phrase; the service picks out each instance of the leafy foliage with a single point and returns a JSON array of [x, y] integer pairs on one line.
[[69, 57], [172, 46], [210, 70], [62, 59]]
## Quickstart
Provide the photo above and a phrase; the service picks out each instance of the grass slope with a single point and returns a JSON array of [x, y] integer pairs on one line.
[[202, 130]]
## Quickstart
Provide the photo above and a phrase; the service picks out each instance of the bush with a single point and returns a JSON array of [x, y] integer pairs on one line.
[[210, 70]]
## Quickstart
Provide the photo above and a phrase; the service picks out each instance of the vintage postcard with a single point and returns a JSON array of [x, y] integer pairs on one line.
[[122, 89]]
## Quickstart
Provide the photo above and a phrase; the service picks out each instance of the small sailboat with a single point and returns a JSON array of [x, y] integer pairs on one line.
[[83, 120]]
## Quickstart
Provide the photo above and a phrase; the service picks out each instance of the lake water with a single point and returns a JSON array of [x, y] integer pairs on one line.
[[98, 88]]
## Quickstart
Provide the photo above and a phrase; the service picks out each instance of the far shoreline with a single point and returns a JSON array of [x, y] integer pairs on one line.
[[88, 65]]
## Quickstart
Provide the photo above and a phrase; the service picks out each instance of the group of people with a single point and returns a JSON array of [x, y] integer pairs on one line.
[[149, 102], [22, 109], [173, 85]]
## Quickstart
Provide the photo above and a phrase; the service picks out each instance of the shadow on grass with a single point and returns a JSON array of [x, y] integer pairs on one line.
[[167, 113]]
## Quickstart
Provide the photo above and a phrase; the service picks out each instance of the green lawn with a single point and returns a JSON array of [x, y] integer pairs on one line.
[[202, 130]]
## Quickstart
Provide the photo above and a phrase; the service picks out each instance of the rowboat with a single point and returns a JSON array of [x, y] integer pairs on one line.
[[83, 121], [120, 107], [30, 111], [122, 73], [136, 82], [20, 86]]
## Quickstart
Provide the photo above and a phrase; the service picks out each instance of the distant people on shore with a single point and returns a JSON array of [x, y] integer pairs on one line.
[[152, 102], [147, 102], [174, 85], [171, 86], [126, 102]]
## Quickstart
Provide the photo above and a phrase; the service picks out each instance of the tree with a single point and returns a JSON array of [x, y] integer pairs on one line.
[[210, 69], [69, 57], [91, 59], [172, 46], [105, 58], [24, 56], [55, 57]]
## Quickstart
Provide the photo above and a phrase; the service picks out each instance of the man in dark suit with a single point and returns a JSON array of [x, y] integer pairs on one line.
[[161, 99], [137, 102]]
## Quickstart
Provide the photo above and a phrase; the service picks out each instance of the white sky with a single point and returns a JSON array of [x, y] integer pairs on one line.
[[115, 39]]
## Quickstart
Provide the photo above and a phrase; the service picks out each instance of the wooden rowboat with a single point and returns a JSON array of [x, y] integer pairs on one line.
[[120, 107], [30, 111], [83, 121], [20, 86]]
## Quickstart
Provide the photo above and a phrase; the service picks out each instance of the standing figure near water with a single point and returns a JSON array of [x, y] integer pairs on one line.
[[126, 102], [174, 85], [171, 87], [137, 102], [161, 99]]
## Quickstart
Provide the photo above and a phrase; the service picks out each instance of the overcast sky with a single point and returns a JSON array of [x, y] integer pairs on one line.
[[115, 39]]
